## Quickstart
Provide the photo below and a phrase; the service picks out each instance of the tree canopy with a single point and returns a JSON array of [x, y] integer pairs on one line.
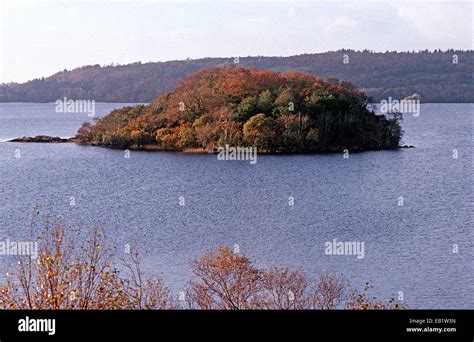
[[276, 112]]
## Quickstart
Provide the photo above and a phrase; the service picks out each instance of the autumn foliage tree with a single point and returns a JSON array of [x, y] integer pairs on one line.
[[224, 281], [261, 131]]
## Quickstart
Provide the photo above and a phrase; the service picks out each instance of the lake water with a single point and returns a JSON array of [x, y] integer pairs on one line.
[[408, 248]]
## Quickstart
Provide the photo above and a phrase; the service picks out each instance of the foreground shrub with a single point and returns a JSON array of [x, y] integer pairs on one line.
[[81, 275], [68, 275], [226, 280]]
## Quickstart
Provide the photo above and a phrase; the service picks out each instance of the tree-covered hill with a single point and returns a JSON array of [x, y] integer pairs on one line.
[[286, 112], [434, 75]]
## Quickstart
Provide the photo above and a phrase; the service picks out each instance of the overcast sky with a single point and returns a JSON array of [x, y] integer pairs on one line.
[[39, 38]]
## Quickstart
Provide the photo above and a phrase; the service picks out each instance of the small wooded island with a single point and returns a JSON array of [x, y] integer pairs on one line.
[[290, 112]]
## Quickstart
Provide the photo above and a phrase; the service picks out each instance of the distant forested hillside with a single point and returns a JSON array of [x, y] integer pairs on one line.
[[433, 75]]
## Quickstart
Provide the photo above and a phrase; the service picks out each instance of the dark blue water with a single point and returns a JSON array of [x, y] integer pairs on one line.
[[408, 248]]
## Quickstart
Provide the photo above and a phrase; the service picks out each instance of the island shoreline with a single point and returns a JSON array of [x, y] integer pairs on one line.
[[44, 139]]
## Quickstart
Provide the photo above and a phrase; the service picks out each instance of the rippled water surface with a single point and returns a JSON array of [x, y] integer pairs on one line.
[[408, 248]]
